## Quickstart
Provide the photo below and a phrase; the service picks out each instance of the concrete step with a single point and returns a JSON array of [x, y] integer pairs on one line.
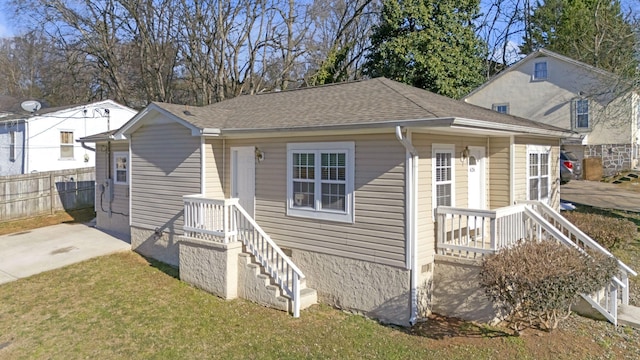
[[629, 315], [261, 288]]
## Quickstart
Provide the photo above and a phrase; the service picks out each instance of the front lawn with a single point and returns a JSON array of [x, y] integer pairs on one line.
[[123, 306]]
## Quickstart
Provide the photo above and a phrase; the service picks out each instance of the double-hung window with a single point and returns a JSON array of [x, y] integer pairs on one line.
[[66, 144], [320, 178], [538, 172], [443, 170], [540, 70], [121, 167], [581, 113], [12, 146]]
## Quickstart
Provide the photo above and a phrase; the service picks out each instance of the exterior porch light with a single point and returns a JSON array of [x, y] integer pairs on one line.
[[259, 154], [464, 155]]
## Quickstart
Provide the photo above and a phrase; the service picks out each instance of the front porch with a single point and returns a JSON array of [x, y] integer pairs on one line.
[[221, 225], [470, 234]]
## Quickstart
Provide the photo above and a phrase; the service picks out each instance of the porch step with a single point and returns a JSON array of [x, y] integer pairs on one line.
[[629, 315], [258, 286]]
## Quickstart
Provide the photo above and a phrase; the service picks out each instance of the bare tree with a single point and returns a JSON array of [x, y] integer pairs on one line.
[[341, 39]]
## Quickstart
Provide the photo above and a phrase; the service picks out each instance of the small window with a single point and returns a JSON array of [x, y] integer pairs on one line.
[[320, 180], [12, 146], [120, 168], [443, 175], [540, 70], [581, 113], [501, 108], [66, 144]]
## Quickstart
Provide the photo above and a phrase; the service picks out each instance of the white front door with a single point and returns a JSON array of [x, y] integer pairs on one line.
[[243, 177], [475, 171]]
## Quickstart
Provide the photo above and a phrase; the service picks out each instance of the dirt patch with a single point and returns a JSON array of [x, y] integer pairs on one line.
[[23, 225]]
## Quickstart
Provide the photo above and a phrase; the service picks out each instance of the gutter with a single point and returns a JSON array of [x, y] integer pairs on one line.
[[85, 146], [411, 212], [481, 124]]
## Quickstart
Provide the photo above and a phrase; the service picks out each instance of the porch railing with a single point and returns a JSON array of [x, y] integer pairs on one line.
[[225, 221], [471, 234]]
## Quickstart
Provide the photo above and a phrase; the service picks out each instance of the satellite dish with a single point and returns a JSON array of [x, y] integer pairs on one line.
[[31, 106]]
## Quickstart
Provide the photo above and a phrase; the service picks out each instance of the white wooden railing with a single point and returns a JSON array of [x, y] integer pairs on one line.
[[471, 234], [226, 221], [618, 289]]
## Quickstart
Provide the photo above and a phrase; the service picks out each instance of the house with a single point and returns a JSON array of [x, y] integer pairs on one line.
[[556, 90], [45, 139], [372, 195]]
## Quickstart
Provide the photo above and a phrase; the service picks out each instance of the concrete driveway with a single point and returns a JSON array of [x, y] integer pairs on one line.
[[34, 251], [602, 195]]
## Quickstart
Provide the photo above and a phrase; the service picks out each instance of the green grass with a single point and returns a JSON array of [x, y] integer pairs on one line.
[[125, 307]]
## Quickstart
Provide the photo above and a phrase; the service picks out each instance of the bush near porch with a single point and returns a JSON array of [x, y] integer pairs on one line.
[[536, 282]]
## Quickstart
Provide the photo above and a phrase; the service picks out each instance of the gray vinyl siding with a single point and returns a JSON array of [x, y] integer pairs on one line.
[[500, 180], [165, 163], [426, 220], [119, 219], [378, 234], [214, 173]]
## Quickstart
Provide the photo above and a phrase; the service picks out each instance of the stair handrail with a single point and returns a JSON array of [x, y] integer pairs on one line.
[[586, 239], [297, 273], [612, 313]]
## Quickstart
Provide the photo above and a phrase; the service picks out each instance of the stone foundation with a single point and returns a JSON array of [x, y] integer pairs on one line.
[[210, 266], [457, 291], [375, 290], [615, 157], [162, 246]]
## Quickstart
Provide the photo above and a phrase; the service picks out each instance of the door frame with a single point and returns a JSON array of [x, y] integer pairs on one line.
[[479, 152], [248, 151]]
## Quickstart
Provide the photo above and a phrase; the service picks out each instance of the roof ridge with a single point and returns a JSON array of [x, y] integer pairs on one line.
[[381, 80], [311, 87]]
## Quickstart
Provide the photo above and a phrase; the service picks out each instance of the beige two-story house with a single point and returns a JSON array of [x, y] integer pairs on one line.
[[556, 90]]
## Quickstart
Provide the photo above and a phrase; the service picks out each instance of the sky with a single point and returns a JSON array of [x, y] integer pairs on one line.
[[5, 26]]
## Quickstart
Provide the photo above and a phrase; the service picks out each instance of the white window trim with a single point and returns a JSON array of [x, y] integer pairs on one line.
[[72, 145], [348, 215], [536, 78], [574, 108], [443, 148], [117, 154], [539, 149]]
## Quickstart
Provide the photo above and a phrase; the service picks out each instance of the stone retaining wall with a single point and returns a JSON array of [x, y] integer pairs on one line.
[[615, 157]]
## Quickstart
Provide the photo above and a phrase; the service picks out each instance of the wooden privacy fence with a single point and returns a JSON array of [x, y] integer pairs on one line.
[[46, 192]]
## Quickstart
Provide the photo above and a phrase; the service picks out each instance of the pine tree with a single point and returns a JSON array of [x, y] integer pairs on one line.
[[595, 32], [428, 44]]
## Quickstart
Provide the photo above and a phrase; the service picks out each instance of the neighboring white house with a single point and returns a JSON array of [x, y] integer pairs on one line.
[[557, 90], [45, 140]]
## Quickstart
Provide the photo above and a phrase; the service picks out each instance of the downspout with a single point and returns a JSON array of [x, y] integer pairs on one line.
[[411, 211]]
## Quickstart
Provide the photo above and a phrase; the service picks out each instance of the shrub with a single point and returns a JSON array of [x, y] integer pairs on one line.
[[609, 232], [535, 283]]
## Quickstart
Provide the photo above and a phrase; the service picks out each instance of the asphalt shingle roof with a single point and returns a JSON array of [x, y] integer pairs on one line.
[[353, 103]]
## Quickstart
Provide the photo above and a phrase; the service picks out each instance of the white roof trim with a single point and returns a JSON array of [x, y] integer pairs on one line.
[[142, 117]]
